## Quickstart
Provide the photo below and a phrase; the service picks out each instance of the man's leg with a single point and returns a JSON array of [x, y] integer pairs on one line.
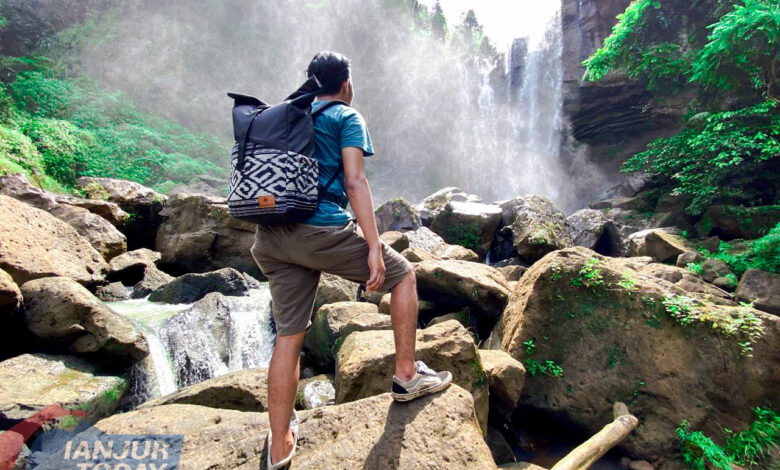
[[283, 376], [403, 314]]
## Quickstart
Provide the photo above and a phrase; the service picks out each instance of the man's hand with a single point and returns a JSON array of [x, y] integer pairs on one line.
[[376, 267]]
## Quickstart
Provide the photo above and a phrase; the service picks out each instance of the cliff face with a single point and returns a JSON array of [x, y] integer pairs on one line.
[[615, 116]]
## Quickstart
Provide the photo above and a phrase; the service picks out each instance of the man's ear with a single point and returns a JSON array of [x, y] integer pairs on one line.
[[345, 86]]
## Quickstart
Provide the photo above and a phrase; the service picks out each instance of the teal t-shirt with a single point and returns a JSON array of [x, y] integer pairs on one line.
[[335, 128]]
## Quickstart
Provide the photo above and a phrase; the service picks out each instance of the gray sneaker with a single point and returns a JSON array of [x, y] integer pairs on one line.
[[425, 382]]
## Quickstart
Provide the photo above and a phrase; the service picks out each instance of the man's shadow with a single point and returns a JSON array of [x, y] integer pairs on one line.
[[386, 453]]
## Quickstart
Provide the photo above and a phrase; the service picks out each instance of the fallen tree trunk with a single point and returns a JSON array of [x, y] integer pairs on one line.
[[594, 448]]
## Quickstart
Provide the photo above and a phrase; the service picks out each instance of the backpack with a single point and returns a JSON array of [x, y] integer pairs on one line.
[[274, 175]]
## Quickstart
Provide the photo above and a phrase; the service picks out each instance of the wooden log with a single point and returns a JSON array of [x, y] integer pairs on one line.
[[587, 453]]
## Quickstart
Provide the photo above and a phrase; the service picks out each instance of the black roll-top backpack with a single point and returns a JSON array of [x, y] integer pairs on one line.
[[274, 175]]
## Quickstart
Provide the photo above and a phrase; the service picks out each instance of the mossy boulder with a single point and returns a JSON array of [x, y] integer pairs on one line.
[[729, 222], [592, 330], [396, 215], [471, 225], [538, 227]]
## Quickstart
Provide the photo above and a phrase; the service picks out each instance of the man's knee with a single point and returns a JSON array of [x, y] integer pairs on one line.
[[410, 278]]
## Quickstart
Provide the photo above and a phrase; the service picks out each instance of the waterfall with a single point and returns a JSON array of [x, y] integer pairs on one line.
[[189, 343]]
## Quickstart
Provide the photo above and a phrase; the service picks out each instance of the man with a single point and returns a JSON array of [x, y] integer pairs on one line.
[[292, 256]]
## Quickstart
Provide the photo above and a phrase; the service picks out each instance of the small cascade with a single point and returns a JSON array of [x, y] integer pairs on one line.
[[189, 343]]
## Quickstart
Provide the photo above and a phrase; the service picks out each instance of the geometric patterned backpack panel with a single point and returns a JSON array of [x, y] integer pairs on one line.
[[274, 174]]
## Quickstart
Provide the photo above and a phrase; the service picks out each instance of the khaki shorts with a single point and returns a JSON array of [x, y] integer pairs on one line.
[[292, 256]]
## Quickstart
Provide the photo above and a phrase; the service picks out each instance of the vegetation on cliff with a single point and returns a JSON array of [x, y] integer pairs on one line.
[[724, 53]]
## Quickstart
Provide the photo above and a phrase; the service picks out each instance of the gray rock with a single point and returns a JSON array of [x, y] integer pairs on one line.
[[333, 289], [395, 239], [433, 204], [106, 209], [712, 269], [66, 315], [731, 222], [468, 224], [317, 391], [587, 227], [190, 288], [538, 227], [153, 279], [689, 257], [198, 235], [113, 292], [729, 284], [662, 244], [424, 238], [762, 288], [499, 447], [129, 267], [31, 382], [396, 215]]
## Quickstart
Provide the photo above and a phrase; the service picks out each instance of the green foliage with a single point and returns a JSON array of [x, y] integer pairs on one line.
[[750, 445], [742, 49], [762, 253], [621, 45], [722, 158], [747, 447], [589, 275], [697, 450], [465, 235], [76, 129], [536, 367], [695, 268], [739, 324]]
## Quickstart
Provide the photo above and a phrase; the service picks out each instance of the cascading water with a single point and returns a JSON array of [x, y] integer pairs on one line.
[[189, 343]]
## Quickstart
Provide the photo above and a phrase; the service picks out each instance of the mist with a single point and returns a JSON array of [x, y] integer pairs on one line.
[[432, 119]]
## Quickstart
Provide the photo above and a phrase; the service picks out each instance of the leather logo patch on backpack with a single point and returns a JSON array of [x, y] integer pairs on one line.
[[266, 201]]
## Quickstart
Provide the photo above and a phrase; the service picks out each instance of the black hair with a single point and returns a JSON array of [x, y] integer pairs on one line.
[[331, 69]]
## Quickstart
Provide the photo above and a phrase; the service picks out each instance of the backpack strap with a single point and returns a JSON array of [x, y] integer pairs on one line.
[[323, 194]]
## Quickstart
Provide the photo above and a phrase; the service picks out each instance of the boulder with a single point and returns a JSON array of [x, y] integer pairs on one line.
[[243, 390], [198, 235], [333, 289], [66, 315], [761, 288], [631, 186], [687, 281], [113, 292], [538, 227], [10, 295], [415, 255], [727, 283], [455, 284], [333, 322], [395, 239], [396, 215], [620, 334], [729, 222], [437, 431], [463, 317], [129, 267], [499, 447], [712, 269], [506, 377], [152, 280], [190, 288], [36, 244], [430, 207], [689, 257], [662, 244], [100, 233], [366, 363], [587, 226], [144, 203], [467, 224], [512, 272], [446, 251], [31, 382], [108, 210], [217, 335], [315, 392], [424, 239]]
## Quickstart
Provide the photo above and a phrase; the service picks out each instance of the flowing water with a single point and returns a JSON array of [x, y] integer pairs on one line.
[[189, 343]]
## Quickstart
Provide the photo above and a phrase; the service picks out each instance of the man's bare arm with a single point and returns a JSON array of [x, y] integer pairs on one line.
[[362, 202]]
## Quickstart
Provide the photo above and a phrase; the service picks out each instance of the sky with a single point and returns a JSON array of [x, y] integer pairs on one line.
[[503, 20]]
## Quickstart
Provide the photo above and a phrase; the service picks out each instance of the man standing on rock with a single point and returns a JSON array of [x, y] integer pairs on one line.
[[292, 256]]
